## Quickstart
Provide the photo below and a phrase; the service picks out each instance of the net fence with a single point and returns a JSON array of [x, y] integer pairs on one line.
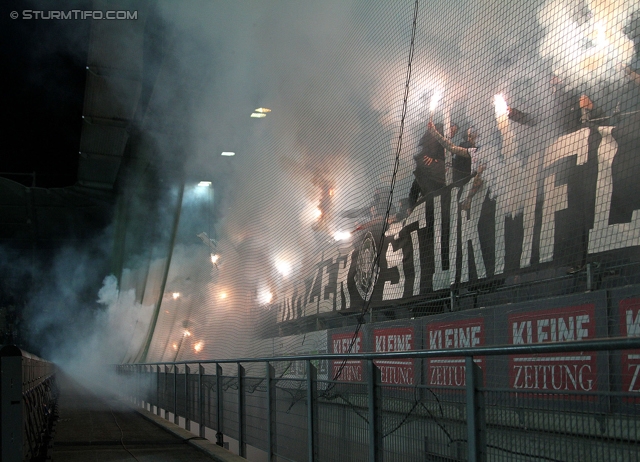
[[406, 160]]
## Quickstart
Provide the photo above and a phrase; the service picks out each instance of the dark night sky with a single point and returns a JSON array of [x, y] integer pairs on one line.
[[43, 64]]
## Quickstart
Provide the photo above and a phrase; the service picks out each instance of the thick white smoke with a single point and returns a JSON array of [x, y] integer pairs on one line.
[[585, 40], [106, 337], [334, 75]]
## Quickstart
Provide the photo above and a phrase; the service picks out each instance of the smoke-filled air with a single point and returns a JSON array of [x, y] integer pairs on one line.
[[213, 270]]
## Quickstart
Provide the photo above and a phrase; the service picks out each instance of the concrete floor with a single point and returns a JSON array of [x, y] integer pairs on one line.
[[93, 428]]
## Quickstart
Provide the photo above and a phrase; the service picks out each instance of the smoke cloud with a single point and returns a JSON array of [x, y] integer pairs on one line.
[[333, 74]]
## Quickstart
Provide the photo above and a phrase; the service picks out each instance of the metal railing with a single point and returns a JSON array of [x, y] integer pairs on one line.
[[27, 387], [298, 413]]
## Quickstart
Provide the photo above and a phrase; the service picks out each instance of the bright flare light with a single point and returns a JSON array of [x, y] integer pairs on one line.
[[258, 115], [175, 346], [502, 109], [317, 213], [214, 258], [228, 153], [342, 235], [435, 99], [262, 110], [204, 183], [186, 333], [283, 267], [175, 295], [601, 40], [223, 295], [198, 347], [265, 297]]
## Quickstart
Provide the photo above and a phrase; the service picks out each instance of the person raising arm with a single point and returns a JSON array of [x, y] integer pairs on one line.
[[470, 152]]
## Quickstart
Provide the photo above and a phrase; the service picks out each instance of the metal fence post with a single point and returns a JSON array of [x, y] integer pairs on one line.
[[138, 373], [148, 379], [271, 412], [242, 446], [134, 374], [312, 411], [175, 394], [165, 400], [141, 395], [143, 383], [201, 400], [375, 429], [12, 410], [158, 390], [219, 435], [476, 429], [187, 420]]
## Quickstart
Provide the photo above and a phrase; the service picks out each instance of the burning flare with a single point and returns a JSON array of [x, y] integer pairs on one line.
[[265, 297], [283, 267], [500, 104], [342, 235], [601, 39], [435, 99], [502, 112]]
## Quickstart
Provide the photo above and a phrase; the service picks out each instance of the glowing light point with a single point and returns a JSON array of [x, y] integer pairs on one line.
[[204, 183], [500, 104], [175, 295], [198, 347], [262, 110], [228, 153], [283, 267], [223, 295], [601, 40], [265, 297], [258, 115], [435, 99], [186, 333], [317, 213], [342, 235], [214, 258], [175, 346]]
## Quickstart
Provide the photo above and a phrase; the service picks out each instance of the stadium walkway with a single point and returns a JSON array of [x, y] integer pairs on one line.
[[93, 428]]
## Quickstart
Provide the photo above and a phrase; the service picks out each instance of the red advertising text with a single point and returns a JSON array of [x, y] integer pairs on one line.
[[396, 371], [451, 371], [630, 327], [346, 370], [575, 371]]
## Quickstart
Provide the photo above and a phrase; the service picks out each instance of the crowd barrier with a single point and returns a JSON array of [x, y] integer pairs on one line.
[[284, 407], [28, 390]]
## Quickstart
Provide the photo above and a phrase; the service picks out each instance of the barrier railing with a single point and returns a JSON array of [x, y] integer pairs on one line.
[[27, 387], [309, 407]]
